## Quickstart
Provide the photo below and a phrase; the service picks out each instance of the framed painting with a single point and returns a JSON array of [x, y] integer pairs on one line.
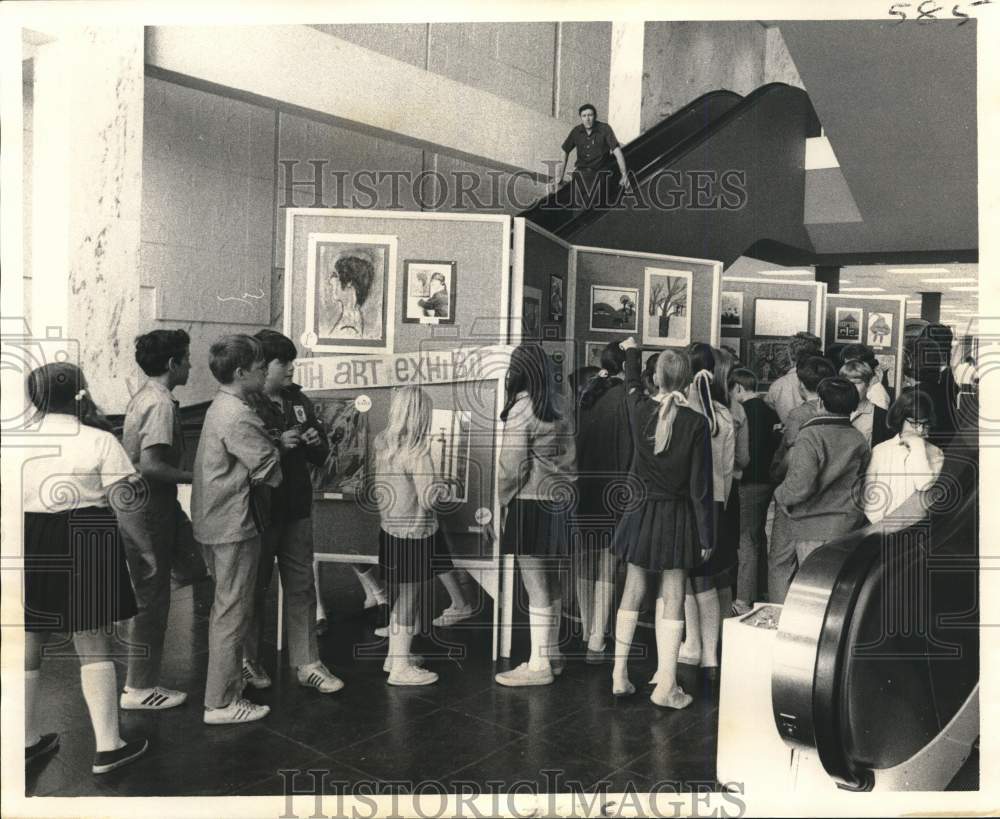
[[614, 309], [666, 319], [731, 310], [847, 324], [350, 293], [343, 473], [780, 317], [770, 360], [879, 329], [429, 294], [451, 441], [557, 298]]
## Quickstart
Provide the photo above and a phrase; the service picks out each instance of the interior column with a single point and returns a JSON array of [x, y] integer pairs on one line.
[[829, 273]]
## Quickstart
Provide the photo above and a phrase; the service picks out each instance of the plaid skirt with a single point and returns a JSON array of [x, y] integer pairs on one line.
[[75, 575]]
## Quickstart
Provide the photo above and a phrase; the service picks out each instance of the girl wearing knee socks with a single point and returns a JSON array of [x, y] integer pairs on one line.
[[669, 527], [536, 488], [75, 575], [411, 545], [603, 451]]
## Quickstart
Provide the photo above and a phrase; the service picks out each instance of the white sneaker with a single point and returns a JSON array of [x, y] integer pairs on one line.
[[239, 710], [524, 675], [255, 675], [151, 699], [452, 615], [414, 659], [318, 676], [412, 675], [382, 631]]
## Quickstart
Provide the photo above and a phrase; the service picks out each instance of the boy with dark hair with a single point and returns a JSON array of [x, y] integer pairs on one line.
[[755, 488], [829, 458], [155, 531], [291, 422], [784, 394], [781, 561], [235, 454]]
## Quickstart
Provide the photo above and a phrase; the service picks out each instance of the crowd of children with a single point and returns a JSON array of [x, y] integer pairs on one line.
[[670, 468]]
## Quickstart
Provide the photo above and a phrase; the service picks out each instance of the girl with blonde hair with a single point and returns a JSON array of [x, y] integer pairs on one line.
[[411, 543]]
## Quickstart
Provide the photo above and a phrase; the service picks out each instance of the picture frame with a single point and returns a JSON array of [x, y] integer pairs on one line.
[[879, 329], [429, 291], [531, 313], [666, 317], [557, 298], [847, 322], [770, 359], [731, 309], [780, 317], [614, 309], [350, 293], [343, 474], [592, 353]]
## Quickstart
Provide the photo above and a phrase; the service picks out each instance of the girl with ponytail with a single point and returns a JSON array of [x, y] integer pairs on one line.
[[702, 609], [667, 527]]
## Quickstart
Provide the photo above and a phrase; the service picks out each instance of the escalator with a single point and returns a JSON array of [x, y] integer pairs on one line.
[[876, 659], [722, 177]]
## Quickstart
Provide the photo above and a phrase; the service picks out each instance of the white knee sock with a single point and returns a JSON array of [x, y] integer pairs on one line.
[[668, 641], [540, 625], [320, 610], [603, 596], [556, 609], [708, 618], [31, 735], [624, 632], [585, 601], [691, 647], [400, 642], [100, 690]]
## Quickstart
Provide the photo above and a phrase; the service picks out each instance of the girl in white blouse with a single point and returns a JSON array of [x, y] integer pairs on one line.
[[906, 463]]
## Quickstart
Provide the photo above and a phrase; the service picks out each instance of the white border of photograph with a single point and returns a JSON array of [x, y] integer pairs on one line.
[[778, 323], [624, 331], [658, 340], [722, 307], [310, 338], [859, 312]]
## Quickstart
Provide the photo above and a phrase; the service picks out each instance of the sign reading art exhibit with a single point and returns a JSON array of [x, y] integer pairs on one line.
[[420, 368]]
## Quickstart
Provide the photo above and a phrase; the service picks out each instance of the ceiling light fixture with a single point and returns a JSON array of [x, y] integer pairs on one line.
[[917, 271], [950, 281]]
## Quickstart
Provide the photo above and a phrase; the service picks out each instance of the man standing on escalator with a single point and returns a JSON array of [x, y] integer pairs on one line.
[[593, 142]]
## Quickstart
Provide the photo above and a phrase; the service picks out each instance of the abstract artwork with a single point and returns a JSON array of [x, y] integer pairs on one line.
[[343, 473], [879, 329], [780, 317], [614, 309], [770, 360], [430, 292], [451, 440], [350, 293], [557, 298], [666, 318], [732, 309], [847, 324], [532, 312]]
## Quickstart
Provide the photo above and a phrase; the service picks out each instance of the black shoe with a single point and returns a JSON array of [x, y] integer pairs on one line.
[[46, 744], [105, 761]]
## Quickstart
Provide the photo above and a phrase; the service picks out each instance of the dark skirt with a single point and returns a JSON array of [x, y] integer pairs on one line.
[[659, 535], [536, 529], [75, 575], [725, 556], [413, 560]]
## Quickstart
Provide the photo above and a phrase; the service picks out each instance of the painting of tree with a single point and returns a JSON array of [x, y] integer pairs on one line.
[[667, 320]]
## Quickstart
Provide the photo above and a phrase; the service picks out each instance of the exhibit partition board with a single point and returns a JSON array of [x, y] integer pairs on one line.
[[876, 321], [663, 301], [353, 354], [758, 315], [547, 291]]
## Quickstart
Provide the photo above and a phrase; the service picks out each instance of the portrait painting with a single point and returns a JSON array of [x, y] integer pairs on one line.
[[350, 292], [666, 317], [430, 292], [614, 309], [343, 473], [731, 312]]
